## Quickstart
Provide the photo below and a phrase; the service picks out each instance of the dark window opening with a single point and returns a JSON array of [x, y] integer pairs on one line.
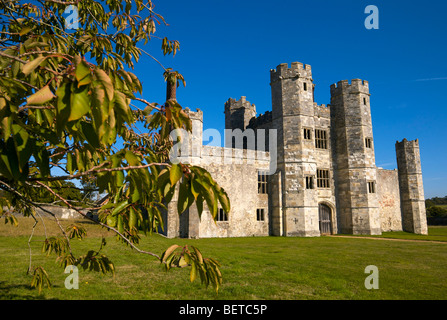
[[260, 215], [371, 187], [305, 86], [323, 178], [368, 142], [307, 134], [321, 139], [262, 182], [221, 215], [309, 182]]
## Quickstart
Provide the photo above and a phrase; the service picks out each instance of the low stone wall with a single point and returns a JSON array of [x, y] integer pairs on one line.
[[60, 212]]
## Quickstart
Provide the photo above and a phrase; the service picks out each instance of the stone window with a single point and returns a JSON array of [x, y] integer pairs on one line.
[[371, 187], [309, 182], [364, 101], [323, 178], [305, 86], [260, 215], [321, 139], [368, 142], [221, 215], [262, 182], [307, 134]]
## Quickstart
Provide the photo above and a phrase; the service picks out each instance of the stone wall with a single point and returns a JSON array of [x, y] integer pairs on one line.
[[236, 171], [389, 200], [60, 212]]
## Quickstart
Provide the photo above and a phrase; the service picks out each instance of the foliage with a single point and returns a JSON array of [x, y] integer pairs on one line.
[[206, 268], [436, 212], [436, 201], [66, 98]]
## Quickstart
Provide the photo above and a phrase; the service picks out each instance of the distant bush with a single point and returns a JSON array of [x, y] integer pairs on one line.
[[436, 212], [436, 201]]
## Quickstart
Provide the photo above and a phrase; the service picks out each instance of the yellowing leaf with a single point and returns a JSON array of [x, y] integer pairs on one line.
[[25, 30], [168, 252], [40, 97], [32, 65], [106, 83]]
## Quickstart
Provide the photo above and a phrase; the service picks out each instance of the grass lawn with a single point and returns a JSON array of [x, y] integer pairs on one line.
[[253, 268]]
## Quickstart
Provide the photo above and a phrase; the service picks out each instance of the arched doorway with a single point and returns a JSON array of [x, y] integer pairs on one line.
[[325, 215]]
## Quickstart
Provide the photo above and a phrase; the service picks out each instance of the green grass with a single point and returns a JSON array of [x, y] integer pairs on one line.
[[253, 268], [436, 233]]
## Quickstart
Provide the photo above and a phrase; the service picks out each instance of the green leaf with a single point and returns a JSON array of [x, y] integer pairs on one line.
[[131, 158], [175, 173], [40, 97], [199, 204], [90, 134], [25, 30], [63, 106], [43, 161], [120, 207], [69, 165], [80, 104], [223, 199], [120, 224], [132, 218], [193, 274], [82, 72], [111, 220], [182, 202]]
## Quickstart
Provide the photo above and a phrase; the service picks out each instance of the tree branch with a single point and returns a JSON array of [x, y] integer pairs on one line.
[[99, 222], [95, 170]]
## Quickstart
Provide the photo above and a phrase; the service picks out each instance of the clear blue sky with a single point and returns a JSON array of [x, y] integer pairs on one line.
[[228, 47]]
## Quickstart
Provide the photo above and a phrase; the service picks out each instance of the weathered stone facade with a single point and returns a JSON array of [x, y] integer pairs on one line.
[[325, 179]]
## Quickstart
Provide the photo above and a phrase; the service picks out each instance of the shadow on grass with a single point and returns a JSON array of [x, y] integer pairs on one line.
[[7, 292]]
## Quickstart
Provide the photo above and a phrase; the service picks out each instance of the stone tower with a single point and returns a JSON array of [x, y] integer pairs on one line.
[[411, 187], [293, 110], [238, 114], [188, 221], [354, 159]]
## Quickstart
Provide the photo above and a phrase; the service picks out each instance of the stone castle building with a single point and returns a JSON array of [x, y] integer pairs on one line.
[[317, 174]]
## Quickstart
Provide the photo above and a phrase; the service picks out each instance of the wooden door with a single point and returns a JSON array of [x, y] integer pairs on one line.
[[325, 219]]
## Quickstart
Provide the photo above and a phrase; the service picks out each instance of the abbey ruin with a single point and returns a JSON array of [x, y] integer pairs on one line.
[[325, 180]]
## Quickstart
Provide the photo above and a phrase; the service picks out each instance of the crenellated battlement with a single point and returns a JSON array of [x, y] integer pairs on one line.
[[233, 104], [260, 120], [356, 85], [322, 110], [194, 115], [296, 70], [405, 142]]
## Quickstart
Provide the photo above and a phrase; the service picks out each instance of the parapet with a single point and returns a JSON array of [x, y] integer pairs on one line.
[[322, 111], [194, 115], [356, 86], [405, 143], [233, 104], [296, 70], [260, 120]]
